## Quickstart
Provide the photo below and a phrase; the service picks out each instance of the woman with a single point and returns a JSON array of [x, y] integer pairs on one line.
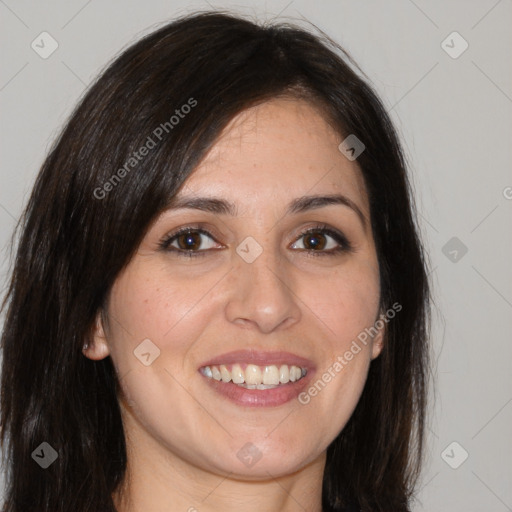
[[219, 299]]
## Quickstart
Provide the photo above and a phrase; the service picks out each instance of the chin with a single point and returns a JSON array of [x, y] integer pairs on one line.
[[260, 460]]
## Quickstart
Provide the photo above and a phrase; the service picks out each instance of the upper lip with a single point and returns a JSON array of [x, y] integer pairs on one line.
[[260, 358]]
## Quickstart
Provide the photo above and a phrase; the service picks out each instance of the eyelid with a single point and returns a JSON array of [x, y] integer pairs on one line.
[[164, 244], [344, 244]]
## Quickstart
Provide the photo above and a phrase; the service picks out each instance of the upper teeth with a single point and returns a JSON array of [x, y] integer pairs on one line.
[[255, 376]]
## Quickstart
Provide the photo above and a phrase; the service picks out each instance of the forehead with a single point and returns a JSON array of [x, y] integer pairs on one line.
[[281, 149]]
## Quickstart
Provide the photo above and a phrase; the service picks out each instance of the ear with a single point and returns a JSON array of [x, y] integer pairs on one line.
[[97, 347], [378, 341]]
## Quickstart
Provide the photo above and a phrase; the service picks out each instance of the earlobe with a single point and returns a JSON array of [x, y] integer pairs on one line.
[[97, 347], [378, 342]]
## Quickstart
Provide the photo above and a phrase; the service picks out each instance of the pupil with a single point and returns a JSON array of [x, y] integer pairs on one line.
[[189, 241], [314, 241]]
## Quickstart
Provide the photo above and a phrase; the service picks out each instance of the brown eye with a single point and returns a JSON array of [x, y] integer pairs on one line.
[[189, 241], [314, 240], [322, 241]]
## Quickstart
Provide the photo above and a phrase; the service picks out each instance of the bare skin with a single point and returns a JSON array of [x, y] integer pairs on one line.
[[184, 439]]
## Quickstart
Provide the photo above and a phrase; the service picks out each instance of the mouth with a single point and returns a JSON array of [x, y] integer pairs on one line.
[[253, 378]]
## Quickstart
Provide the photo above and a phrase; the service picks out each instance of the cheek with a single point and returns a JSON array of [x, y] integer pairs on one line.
[[151, 304], [347, 303], [347, 306], [158, 401]]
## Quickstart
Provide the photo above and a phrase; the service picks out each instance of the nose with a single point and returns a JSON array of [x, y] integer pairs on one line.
[[262, 294]]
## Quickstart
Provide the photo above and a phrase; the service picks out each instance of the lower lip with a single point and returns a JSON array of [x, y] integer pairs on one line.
[[259, 397]]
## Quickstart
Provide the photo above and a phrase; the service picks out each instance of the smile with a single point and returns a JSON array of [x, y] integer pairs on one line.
[[252, 376], [257, 378]]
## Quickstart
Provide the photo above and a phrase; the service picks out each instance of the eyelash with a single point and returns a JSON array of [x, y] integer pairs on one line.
[[343, 247]]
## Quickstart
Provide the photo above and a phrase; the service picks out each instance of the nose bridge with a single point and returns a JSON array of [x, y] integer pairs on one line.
[[262, 291], [266, 271]]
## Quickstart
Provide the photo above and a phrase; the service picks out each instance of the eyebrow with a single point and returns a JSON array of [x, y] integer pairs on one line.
[[299, 205]]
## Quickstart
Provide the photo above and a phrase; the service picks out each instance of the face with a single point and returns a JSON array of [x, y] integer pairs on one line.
[[227, 323]]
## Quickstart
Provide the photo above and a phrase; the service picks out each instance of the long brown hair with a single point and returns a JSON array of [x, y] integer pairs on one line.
[[77, 233]]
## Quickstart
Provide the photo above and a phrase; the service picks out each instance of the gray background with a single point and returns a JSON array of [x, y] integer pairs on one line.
[[454, 115]]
